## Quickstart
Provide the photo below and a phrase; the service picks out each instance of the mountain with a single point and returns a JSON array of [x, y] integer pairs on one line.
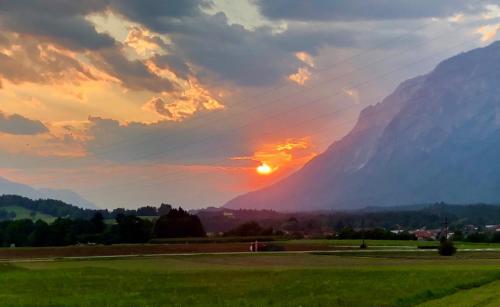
[[8, 187], [435, 138]]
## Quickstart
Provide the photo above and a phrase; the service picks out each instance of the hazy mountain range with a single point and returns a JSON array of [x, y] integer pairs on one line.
[[67, 196], [435, 138]]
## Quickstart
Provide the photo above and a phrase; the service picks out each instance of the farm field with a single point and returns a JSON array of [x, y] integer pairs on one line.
[[393, 243], [367, 279], [344, 246]]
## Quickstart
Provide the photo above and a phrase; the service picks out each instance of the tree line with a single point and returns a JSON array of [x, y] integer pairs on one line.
[[125, 229]]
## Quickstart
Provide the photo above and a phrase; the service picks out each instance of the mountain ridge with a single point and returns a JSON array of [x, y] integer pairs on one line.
[[8, 187], [423, 143]]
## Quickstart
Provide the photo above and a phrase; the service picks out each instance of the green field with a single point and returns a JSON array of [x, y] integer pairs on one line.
[[23, 213], [487, 295], [393, 243], [255, 280]]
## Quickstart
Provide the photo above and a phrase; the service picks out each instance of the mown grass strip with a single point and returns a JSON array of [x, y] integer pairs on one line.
[[434, 294]]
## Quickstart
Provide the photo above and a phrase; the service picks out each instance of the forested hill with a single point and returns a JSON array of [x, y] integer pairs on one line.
[[18, 207], [9, 204]]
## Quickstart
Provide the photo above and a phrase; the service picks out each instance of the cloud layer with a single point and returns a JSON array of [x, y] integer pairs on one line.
[[142, 87], [19, 125], [348, 10]]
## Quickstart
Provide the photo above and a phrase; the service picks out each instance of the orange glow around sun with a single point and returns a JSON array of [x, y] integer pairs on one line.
[[264, 169], [277, 159]]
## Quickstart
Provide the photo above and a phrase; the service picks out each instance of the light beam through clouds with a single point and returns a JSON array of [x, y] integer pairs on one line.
[[81, 76]]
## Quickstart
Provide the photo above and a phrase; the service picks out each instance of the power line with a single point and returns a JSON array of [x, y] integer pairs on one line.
[[223, 160], [299, 106], [112, 147], [340, 92]]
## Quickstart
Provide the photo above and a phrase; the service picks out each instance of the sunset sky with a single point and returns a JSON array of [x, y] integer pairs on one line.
[[136, 102]]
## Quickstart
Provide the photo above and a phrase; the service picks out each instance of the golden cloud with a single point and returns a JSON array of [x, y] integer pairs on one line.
[[145, 43], [179, 105], [488, 32], [28, 59], [305, 57], [301, 76], [288, 154]]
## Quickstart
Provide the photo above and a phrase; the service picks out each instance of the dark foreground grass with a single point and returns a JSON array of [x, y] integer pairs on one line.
[[250, 280]]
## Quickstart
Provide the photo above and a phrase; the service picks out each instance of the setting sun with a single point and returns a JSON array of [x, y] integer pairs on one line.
[[264, 169]]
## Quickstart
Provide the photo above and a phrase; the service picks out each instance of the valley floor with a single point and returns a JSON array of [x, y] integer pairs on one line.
[[378, 277]]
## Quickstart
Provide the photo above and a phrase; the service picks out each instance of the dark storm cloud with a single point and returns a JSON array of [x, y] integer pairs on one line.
[[220, 51], [133, 73], [152, 12], [168, 141], [261, 57], [61, 21], [365, 10], [230, 52], [173, 62], [19, 125]]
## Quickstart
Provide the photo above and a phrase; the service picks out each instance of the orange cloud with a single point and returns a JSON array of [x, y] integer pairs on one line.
[[144, 43], [488, 32], [178, 105], [305, 57], [301, 76], [288, 154], [28, 59]]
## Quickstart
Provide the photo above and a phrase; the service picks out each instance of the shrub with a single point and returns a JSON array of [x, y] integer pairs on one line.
[[446, 248], [272, 248]]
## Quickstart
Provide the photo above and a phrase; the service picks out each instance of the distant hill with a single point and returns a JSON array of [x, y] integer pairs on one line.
[[13, 188], [16, 207], [435, 138]]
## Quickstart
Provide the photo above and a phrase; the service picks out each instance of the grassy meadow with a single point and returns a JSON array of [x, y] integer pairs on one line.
[[23, 213], [253, 280]]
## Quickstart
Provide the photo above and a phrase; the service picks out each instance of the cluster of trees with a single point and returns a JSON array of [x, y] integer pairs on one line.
[[6, 215], [163, 209], [430, 216], [249, 229], [373, 234], [125, 229], [254, 229], [477, 237], [178, 223]]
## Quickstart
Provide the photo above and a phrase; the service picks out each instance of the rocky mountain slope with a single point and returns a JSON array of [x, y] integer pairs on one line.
[[435, 138]]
